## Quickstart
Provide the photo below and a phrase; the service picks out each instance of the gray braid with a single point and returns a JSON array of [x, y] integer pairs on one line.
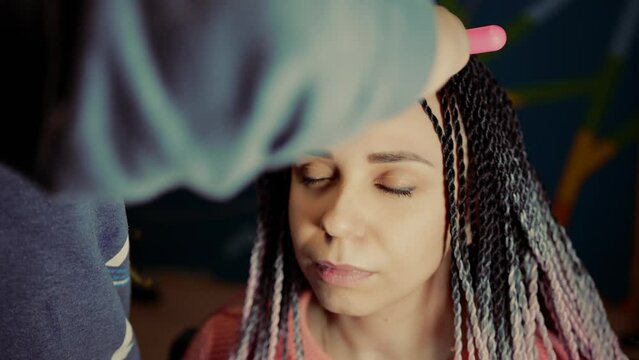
[[515, 239]]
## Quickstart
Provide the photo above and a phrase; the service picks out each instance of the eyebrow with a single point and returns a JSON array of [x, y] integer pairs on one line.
[[390, 157], [383, 157]]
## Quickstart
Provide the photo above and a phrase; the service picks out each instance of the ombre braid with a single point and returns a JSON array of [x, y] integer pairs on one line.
[[515, 278], [531, 249]]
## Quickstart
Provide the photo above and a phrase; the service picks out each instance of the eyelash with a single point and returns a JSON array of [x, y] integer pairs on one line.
[[404, 192], [308, 181]]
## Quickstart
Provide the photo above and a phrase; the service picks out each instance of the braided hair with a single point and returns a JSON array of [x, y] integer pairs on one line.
[[514, 275]]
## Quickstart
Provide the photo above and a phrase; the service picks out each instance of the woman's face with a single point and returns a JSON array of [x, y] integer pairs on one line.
[[367, 219]]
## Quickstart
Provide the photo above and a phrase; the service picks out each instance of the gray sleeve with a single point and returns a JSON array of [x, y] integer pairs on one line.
[[65, 286], [206, 94]]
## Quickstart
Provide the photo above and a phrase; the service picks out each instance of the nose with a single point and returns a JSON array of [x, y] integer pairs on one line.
[[342, 218]]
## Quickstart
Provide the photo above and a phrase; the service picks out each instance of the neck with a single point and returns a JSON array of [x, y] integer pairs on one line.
[[417, 326]]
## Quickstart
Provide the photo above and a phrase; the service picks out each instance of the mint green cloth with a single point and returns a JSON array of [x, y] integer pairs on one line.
[[205, 95]]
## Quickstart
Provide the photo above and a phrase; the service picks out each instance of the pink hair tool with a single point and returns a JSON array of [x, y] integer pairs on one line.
[[486, 39]]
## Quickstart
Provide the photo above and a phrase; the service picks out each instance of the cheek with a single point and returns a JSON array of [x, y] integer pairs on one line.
[[422, 240], [416, 245], [301, 216]]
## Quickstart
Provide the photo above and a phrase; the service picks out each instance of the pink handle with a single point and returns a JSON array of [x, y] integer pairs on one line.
[[486, 39]]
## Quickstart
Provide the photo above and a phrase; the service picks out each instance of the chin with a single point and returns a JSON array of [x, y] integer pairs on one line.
[[343, 301]]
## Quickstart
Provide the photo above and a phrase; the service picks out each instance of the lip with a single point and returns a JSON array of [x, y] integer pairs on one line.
[[341, 274]]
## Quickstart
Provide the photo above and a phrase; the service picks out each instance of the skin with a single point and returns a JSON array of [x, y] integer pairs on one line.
[[345, 214], [451, 53]]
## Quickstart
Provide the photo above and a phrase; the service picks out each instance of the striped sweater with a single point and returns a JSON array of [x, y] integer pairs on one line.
[[219, 335]]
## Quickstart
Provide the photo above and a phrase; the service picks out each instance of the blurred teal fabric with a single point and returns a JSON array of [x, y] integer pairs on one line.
[[205, 95]]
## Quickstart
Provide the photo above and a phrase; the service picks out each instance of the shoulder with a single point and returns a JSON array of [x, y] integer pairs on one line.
[[218, 335]]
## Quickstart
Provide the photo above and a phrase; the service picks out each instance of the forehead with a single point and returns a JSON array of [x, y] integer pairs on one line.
[[410, 131]]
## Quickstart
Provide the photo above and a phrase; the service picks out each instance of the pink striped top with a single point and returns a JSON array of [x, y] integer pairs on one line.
[[219, 335]]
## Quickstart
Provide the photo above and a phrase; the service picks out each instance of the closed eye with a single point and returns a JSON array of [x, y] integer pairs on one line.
[[402, 192], [314, 182]]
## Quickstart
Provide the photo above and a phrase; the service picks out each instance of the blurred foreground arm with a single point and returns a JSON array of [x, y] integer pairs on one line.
[[208, 94]]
